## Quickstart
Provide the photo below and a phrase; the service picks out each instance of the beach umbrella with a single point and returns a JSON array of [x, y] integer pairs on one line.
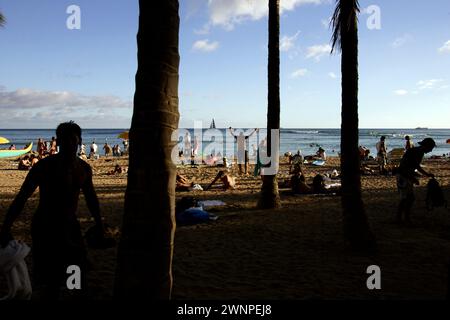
[[3, 140], [123, 135]]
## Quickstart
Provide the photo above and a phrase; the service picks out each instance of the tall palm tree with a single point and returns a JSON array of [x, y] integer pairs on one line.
[[144, 260], [2, 20], [270, 197], [345, 39]]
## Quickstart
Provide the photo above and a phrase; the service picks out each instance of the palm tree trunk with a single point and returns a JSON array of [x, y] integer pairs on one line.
[[270, 197], [356, 228], [144, 259]]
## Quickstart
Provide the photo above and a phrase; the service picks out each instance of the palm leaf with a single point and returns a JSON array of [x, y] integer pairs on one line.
[[346, 11], [2, 20]]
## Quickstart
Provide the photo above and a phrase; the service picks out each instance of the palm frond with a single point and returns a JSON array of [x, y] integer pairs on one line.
[[346, 11], [2, 20]]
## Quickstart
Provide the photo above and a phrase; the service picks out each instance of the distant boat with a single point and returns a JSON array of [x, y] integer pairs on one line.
[[420, 128], [213, 124], [15, 153]]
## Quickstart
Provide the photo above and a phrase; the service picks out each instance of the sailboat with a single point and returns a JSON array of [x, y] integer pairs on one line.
[[213, 124]]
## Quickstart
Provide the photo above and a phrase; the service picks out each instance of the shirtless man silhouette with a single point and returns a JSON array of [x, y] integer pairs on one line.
[[57, 241]]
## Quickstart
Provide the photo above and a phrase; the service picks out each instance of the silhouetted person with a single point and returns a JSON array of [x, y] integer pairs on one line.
[[406, 176], [55, 230]]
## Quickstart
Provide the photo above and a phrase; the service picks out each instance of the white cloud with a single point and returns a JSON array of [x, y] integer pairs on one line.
[[401, 92], [332, 75], [228, 13], [287, 43], [445, 48], [205, 45], [34, 99], [29, 108], [299, 73], [428, 84], [318, 51], [204, 30], [401, 41]]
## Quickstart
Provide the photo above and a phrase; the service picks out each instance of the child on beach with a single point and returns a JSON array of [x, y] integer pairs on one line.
[[56, 235]]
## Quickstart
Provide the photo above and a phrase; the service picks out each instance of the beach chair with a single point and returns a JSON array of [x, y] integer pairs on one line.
[[395, 156]]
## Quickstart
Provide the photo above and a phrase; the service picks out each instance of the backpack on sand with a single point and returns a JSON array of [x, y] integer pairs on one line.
[[435, 195]]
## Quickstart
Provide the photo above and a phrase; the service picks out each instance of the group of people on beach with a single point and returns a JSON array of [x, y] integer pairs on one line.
[[45, 148], [114, 151], [56, 233]]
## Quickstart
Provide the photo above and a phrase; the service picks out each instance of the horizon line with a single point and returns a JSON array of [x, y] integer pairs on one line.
[[283, 128]]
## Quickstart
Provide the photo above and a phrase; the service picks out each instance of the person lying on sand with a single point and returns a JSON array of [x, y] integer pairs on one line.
[[299, 186], [228, 181], [118, 169], [320, 155], [183, 183]]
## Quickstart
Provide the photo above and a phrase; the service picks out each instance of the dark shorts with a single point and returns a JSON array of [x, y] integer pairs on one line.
[[54, 248], [405, 187]]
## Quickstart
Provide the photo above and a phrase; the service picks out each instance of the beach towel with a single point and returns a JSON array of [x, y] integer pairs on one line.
[[211, 203], [194, 216], [13, 266]]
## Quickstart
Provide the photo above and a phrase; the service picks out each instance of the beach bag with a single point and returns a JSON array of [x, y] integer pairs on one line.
[[13, 266], [435, 196]]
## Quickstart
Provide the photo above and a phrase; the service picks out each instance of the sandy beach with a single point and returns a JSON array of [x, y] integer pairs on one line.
[[296, 252]]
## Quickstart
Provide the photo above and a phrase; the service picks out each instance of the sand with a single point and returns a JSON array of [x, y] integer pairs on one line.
[[296, 252]]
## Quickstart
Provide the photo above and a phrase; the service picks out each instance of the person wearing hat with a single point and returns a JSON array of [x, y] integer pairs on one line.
[[406, 176]]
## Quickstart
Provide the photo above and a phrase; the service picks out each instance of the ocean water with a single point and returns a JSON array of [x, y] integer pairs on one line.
[[306, 140]]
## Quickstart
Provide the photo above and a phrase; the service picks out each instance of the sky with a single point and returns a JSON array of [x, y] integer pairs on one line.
[[54, 70]]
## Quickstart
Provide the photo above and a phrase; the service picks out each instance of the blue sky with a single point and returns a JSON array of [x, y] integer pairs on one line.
[[52, 74]]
